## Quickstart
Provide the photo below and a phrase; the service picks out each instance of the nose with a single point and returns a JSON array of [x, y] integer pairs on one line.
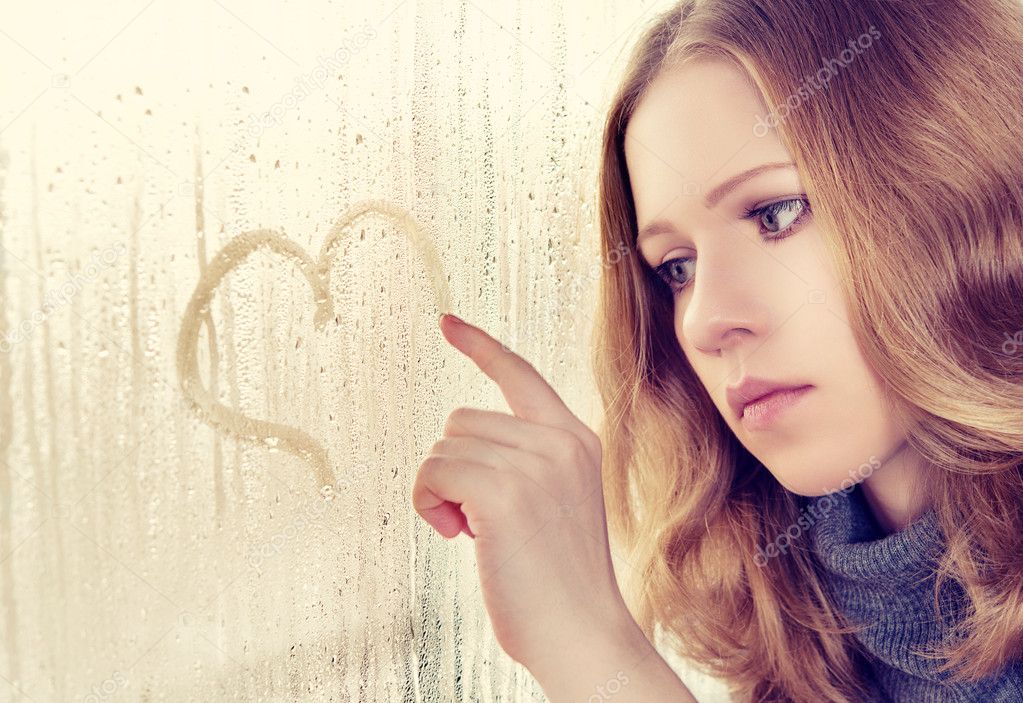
[[728, 299]]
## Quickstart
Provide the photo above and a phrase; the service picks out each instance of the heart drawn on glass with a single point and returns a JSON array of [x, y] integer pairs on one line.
[[317, 273]]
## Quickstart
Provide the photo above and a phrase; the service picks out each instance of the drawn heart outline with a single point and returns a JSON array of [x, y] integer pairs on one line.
[[317, 273]]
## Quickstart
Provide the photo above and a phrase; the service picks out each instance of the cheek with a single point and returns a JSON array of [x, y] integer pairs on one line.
[[824, 286], [855, 410]]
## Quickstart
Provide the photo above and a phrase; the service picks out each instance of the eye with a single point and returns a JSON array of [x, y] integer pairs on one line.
[[671, 268], [776, 221], [780, 215]]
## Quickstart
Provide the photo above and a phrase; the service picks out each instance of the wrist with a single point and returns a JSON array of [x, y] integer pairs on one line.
[[629, 670], [594, 661]]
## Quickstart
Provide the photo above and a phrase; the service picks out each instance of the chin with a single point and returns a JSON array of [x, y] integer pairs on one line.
[[811, 486]]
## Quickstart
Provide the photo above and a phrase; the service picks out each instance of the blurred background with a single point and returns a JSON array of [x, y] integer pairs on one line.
[[226, 233]]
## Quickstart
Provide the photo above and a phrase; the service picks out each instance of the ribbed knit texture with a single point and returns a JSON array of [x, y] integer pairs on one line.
[[888, 582]]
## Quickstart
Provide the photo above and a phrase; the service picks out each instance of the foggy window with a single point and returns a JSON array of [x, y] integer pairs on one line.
[[228, 230]]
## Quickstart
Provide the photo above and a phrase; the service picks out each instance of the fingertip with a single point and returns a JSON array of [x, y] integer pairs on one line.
[[445, 518], [454, 331], [453, 320]]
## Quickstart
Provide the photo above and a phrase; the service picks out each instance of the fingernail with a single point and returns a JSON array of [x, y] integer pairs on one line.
[[457, 319]]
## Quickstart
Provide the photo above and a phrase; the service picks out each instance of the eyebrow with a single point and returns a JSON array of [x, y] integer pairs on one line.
[[715, 195]]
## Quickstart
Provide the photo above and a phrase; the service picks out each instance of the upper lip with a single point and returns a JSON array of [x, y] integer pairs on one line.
[[749, 389]]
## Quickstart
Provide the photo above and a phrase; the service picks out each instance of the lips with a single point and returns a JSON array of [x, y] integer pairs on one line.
[[750, 389]]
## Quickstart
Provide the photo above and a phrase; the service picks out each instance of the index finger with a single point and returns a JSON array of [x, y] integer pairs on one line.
[[527, 392]]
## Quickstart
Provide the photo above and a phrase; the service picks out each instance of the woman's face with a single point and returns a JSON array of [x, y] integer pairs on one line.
[[749, 306]]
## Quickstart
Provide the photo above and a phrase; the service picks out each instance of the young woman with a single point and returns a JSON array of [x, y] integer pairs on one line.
[[811, 362]]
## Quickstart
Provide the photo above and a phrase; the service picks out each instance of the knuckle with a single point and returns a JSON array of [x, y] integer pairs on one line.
[[457, 419], [431, 463], [571, 449], [591, 440]]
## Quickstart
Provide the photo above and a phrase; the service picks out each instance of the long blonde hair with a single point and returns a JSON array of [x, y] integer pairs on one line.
[[910, 150]]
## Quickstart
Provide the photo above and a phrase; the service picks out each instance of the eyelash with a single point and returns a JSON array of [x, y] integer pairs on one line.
[[677, 288]]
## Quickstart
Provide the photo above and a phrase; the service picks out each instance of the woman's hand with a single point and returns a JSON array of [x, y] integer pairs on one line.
[[526, 487]]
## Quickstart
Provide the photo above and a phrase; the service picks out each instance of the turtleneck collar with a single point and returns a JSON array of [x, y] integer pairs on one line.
[[886, 582], [849, 543]]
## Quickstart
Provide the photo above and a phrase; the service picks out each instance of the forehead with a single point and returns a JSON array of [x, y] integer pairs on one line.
[[693, 127]]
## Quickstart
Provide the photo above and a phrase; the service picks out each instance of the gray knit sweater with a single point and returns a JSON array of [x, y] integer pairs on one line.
[[888, 581]]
